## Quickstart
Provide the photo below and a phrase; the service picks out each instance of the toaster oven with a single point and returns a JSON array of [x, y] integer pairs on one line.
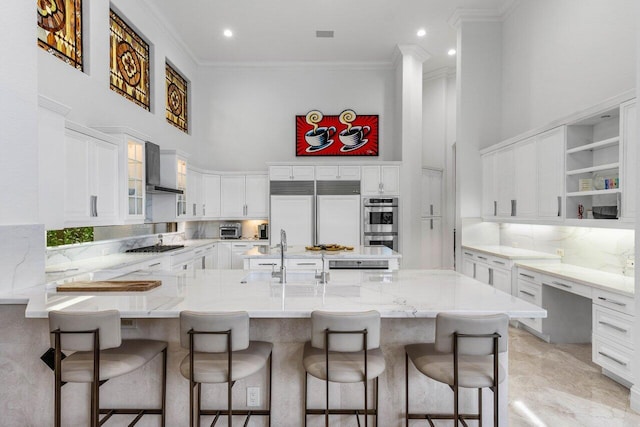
[[231, 230]]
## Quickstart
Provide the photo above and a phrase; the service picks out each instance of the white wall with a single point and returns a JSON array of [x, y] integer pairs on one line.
[[434, 120], [247, 114], [88, 94], [561, 56]]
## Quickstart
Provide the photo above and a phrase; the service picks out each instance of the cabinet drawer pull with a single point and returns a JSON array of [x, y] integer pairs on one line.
[[559, 205], [619, 362], [481, 257], [267, 263], [617, 328], [198, 252], [153, 265], [621, 304], [499, 262], [468, 253], [527, 276], [528, 293], [305, 263], [564, 285]]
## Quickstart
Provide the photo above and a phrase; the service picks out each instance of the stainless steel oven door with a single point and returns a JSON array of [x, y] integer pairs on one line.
[[383, 219], [390, 241]]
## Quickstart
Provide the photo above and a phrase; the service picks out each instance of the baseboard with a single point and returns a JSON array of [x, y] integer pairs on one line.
[[634, 398]]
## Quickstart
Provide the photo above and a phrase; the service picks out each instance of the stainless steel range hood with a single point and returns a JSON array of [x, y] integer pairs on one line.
[[152, 161]]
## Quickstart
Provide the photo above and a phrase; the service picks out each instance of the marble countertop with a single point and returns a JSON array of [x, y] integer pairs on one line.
[[608, 281], [398, 294], [299, 252], [509, 252]]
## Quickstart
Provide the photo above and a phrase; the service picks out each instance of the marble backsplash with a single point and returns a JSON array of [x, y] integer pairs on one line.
[[67, 253], [602, 249], [22, 256], [210, 229]]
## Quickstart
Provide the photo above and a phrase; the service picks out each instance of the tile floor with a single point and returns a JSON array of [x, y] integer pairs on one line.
[[553, 385]]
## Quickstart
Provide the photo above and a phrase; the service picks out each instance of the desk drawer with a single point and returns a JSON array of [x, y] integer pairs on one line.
[[613, 325], [264, 264], [613, 357], [617, 302], [529, 275], [530, 292], [304, 264], [567, 285]]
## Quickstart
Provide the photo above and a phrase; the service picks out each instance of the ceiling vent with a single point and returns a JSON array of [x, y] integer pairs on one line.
[[324, 34]]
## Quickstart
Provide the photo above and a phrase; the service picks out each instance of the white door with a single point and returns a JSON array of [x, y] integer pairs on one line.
[[489, 193], [77, 201], [550, 155], [338, 220], [482, 273], [237, 250], [257, 196], [232, 196], [370, 184], [501, 280], [431, 193], [106, 183], [629, 137], [431, 256], [504, 181], [295, 215], [211, 196], [525, 172], [390, 179], [327, 173], [224, 255]]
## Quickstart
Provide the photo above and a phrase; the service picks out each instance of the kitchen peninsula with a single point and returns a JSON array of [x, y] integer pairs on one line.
[[408, 301]]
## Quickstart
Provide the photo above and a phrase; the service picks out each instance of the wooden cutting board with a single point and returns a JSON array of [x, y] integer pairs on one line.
[[109, 286]]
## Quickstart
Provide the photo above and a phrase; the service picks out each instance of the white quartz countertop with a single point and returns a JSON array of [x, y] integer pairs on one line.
[[608, 281], [509, 252], [398, 294], [299, 252]]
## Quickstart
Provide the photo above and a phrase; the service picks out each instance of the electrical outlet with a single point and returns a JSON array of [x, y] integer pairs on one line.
[[253, 396], [128, 323], [560, 252], [631, 262]]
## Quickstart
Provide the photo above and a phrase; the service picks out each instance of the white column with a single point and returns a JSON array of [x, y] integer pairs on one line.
[[21, 238], [478, 79], [410, 114], [635, 390]]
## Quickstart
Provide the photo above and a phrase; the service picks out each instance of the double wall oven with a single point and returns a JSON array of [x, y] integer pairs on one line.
[[380, 222]]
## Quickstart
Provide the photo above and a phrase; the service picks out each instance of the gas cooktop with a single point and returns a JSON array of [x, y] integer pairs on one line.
[[156, 248]]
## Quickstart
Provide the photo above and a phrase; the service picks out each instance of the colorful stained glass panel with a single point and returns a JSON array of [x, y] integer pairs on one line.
[[129, 63], [60, 29], [177, 99]]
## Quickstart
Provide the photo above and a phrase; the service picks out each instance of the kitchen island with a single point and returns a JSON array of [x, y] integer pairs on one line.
[[408, 301]]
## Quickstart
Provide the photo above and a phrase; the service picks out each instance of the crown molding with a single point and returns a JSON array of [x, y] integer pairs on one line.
[[52, 105], [336, 65], [413, 50], [443, 72], [483, 15]]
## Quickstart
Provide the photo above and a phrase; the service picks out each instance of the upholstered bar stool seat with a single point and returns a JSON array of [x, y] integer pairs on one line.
[[114, 362], [473, 371], [100, 354], [213, 367], [465, 354], [220, 352], [345, 367], [347, 347]]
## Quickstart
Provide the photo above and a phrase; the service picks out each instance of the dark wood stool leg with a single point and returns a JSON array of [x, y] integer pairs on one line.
[[406, 389], [270, 387], [479, 407], [199, 404], [163, 417], [377, 401], [306, 379]]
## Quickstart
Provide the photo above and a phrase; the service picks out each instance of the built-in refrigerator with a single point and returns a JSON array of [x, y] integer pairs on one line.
[[311, 212], [431, 219]]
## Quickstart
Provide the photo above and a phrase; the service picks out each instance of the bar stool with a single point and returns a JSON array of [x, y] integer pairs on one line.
[[335, 355], [100, 354], [465, 354], [220, 352]]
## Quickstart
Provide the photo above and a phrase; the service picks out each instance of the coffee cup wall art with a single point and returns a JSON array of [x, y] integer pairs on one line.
[[345, 134]]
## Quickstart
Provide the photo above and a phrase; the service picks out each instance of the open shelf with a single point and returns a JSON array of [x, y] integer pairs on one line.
[[594, 192], [597, 168], [609, 142]]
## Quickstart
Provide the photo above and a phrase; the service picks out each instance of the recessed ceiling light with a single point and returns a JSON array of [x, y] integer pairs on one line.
[[326, 34], [451, 52], [227, 33], [422, 32]]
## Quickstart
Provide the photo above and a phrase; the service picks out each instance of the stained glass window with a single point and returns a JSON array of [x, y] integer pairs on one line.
[[60, 29], [129, 63], [177, 99]]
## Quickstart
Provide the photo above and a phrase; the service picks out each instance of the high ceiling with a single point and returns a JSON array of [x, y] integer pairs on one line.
[[285, 30]]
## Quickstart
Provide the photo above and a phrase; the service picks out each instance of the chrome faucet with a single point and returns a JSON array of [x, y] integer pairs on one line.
[[282, 274], [323, 276]]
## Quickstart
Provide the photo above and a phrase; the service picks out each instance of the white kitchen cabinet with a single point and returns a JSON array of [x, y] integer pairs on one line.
[[291, 173], [431, 192], [629, 137], [431, 243], [550, 166], [224, 255], [337, 173], [378, 180], [91, 179], [244, 196], [525, 174], [501, 279], [504, 182], [237, 250], [489, 194], [338, 220], [294, 214], [483, 273], [468, 265], [194, 194], [169, 207], [210, 196]]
